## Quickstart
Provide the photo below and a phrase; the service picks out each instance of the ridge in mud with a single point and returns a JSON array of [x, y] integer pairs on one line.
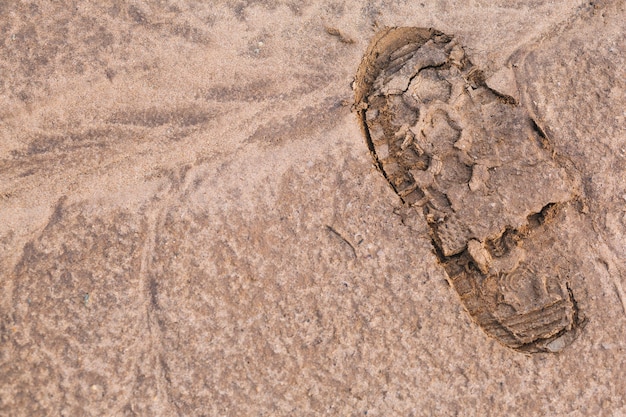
[[477, 167]]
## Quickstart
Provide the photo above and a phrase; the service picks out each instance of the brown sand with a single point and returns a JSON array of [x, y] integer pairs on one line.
[[191, 223]]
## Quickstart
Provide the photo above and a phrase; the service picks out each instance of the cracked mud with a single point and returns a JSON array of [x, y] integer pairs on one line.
[[484, 175]]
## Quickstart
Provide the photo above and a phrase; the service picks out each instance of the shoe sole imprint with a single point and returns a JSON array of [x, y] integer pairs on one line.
[[480, 169]]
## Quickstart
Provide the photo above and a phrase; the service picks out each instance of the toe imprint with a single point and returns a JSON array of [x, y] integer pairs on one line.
[[474, 163]]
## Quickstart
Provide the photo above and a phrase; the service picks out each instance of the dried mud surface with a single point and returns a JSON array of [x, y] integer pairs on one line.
[[462, 154], [191, 222]]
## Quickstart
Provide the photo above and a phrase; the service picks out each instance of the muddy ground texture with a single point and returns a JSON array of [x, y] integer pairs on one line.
[[191, 222]]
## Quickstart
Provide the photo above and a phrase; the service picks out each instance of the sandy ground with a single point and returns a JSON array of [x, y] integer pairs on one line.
[[191, 223]]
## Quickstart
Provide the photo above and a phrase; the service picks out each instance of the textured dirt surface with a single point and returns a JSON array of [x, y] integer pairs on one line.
[[463, 155], [191, 222]]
